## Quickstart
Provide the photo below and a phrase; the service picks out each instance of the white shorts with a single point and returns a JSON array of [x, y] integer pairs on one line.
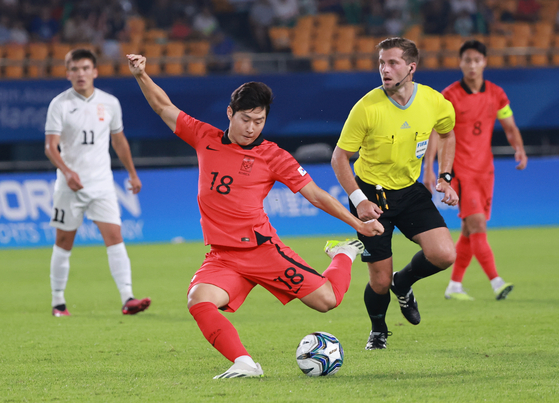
[[69, 207]]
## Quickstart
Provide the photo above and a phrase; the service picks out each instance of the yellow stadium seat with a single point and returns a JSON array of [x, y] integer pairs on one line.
[[280, 38], [153, 52], [301, 43], [197, 68], [199, 48], [320, 64], [365, 58], [326, 21], [155, 35], [342, 63], [106, 68], [431, 48], [451, 49], [305, 23], [555, 50], [497, 45], [242, 63], [174, 52], [38, 59], [344, 39], [414, 33], [15, 60]]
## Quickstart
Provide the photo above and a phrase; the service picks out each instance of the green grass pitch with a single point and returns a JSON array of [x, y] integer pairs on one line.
[[483, 350]]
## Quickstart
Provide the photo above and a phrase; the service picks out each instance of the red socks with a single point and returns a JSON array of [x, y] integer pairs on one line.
[[463, 258], [339, 275], [217, 329], [476, 245], [483, 253]]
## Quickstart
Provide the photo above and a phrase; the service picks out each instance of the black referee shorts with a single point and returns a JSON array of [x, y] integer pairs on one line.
[[410, 209]]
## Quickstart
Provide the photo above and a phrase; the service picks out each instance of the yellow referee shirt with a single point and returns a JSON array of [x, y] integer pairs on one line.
[[391, 138]]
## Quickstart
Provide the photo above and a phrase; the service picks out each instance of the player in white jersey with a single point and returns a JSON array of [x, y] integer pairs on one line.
[[82, 121]]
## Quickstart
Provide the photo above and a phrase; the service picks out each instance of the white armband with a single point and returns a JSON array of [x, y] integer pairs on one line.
[[357, 197]]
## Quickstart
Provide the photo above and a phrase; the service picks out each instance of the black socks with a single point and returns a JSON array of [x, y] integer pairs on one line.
[[418, 268], [377, 305]]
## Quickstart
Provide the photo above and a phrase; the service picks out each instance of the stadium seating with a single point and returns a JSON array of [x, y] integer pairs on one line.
[[280, 38], [15, 58], [320, 40], [451, 47], [38, 59], [548, 10], [242, 63], [153, 51], [521, 33], [105, 68], [365, 59], [555, 50], [413, 33], [136, 29], [430, 46], [156, 35], [174, 52], [58, 53], [344, 47], [497, 44], [301, 42]]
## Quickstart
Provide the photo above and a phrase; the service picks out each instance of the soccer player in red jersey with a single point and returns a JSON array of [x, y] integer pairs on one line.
[[478, 103], [237, 169]]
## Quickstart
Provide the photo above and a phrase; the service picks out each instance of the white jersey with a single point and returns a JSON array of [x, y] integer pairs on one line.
[[85, 126]]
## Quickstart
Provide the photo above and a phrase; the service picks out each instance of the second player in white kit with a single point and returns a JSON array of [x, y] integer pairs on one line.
[[82, 121]]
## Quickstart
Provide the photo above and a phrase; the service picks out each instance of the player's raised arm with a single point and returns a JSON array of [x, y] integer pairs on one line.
[[156, 97]]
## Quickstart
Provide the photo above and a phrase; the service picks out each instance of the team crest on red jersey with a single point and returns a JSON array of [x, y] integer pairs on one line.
[[246, 166]]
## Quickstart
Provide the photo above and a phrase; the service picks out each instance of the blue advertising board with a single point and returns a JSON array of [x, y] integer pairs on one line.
[[166, 209], [304, 104]]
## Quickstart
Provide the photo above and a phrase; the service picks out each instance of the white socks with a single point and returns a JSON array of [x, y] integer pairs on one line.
[[496, 283], [247, 359], [454, 286], [119, 263], [59, 270]]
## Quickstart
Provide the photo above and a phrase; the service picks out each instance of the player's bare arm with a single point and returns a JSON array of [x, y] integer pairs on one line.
[[515, 140], [122, 149], [156, 97], [447, 145], [429, 177], [366, 209], [51, 151], [324, 201]]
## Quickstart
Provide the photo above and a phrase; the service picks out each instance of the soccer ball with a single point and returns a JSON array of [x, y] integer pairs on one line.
[[320, 354]]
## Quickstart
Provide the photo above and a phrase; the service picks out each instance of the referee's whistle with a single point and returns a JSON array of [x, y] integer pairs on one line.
[[381, 198]]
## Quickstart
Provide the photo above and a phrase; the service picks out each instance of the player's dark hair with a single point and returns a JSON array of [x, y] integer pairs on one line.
[[250, 96], [79, 54], [410, 52], [475, 45]]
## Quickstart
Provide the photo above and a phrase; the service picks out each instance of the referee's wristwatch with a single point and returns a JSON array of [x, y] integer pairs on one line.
[[446, 176]]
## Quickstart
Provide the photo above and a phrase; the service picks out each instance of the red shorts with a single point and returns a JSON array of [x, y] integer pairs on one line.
[[475, 192], [272, 265]]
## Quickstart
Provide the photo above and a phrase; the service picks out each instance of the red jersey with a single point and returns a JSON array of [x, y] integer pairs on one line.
[[233, 182], [475, 119]]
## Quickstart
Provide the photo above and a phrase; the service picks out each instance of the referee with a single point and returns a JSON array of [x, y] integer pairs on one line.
[[390, 127]]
